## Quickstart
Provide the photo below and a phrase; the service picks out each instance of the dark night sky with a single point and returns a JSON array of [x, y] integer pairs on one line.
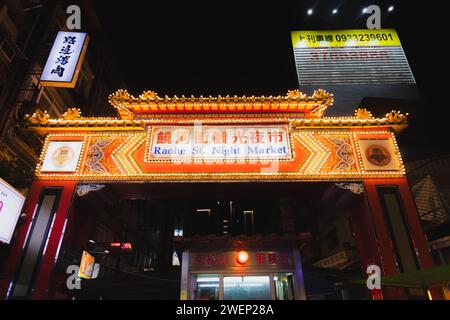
[[244, 47]]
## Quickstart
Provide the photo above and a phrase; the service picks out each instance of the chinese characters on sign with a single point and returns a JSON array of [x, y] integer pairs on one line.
[[346, 57], [209, 259], [228, 259], [64, 61], [220, 143], [86, 266], [339, 38], [272, 258]]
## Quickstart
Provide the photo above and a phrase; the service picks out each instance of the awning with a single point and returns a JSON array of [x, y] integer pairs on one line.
[[425, 278]]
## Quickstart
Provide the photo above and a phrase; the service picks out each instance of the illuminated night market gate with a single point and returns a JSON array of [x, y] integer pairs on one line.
[[220, 139]]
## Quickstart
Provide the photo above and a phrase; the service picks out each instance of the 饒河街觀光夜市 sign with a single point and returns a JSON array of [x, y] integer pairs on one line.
[[65, 59], [11, 202], [219, 143]]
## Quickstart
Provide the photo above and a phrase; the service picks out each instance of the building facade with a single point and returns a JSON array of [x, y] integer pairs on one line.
[[27, 31]]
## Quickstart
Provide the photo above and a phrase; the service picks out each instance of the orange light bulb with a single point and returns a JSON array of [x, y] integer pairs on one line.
[[242, 257]]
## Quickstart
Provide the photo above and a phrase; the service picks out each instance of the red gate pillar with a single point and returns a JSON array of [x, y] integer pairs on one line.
[[365, 239], [385, 244], [22, 233]]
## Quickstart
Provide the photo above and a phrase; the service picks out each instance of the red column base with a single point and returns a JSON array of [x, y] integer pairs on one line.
[[21, 235]]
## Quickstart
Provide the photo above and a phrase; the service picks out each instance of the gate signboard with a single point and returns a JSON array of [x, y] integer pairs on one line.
[[220, 142]]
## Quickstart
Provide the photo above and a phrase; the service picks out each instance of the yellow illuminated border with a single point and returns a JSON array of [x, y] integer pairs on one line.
[[397, 155], [48, 140], [130, 170]]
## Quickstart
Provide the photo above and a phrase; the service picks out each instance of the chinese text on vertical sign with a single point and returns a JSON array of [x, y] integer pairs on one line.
[[64, 60]]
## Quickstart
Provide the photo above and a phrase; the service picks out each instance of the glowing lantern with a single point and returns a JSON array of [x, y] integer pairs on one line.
[[242, 257]]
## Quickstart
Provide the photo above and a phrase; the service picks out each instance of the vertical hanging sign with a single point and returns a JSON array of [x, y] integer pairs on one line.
[[65, 59]]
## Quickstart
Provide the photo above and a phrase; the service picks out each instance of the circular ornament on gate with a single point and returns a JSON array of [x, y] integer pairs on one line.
[[378, 155], [62, 156]]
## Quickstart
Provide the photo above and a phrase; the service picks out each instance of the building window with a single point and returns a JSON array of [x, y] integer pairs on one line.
[[248, 222], [332, 239], [175, 260], [284, 286], [6, 49], [246, 288], [206, 286], [47, 102], [203, 221], [85, 80], [264, 286], [350, 226], [178, 232], [8, 36]]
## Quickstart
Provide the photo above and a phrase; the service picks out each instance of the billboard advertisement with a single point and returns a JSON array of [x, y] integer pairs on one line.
[[354, 65], [350, 57], [86, 266]]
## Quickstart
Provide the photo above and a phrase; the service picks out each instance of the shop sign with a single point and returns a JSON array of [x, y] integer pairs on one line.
[[334, 260], [230, 259], [219, 143], [64, 61], [11, 202], [86, 266]]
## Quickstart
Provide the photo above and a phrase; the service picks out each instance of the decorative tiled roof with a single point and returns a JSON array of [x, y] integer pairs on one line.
[[149, 103], [136, 113], [73, 121]]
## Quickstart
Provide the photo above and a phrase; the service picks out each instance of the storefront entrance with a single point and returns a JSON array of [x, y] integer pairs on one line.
[[246, 285], [276, 286]]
